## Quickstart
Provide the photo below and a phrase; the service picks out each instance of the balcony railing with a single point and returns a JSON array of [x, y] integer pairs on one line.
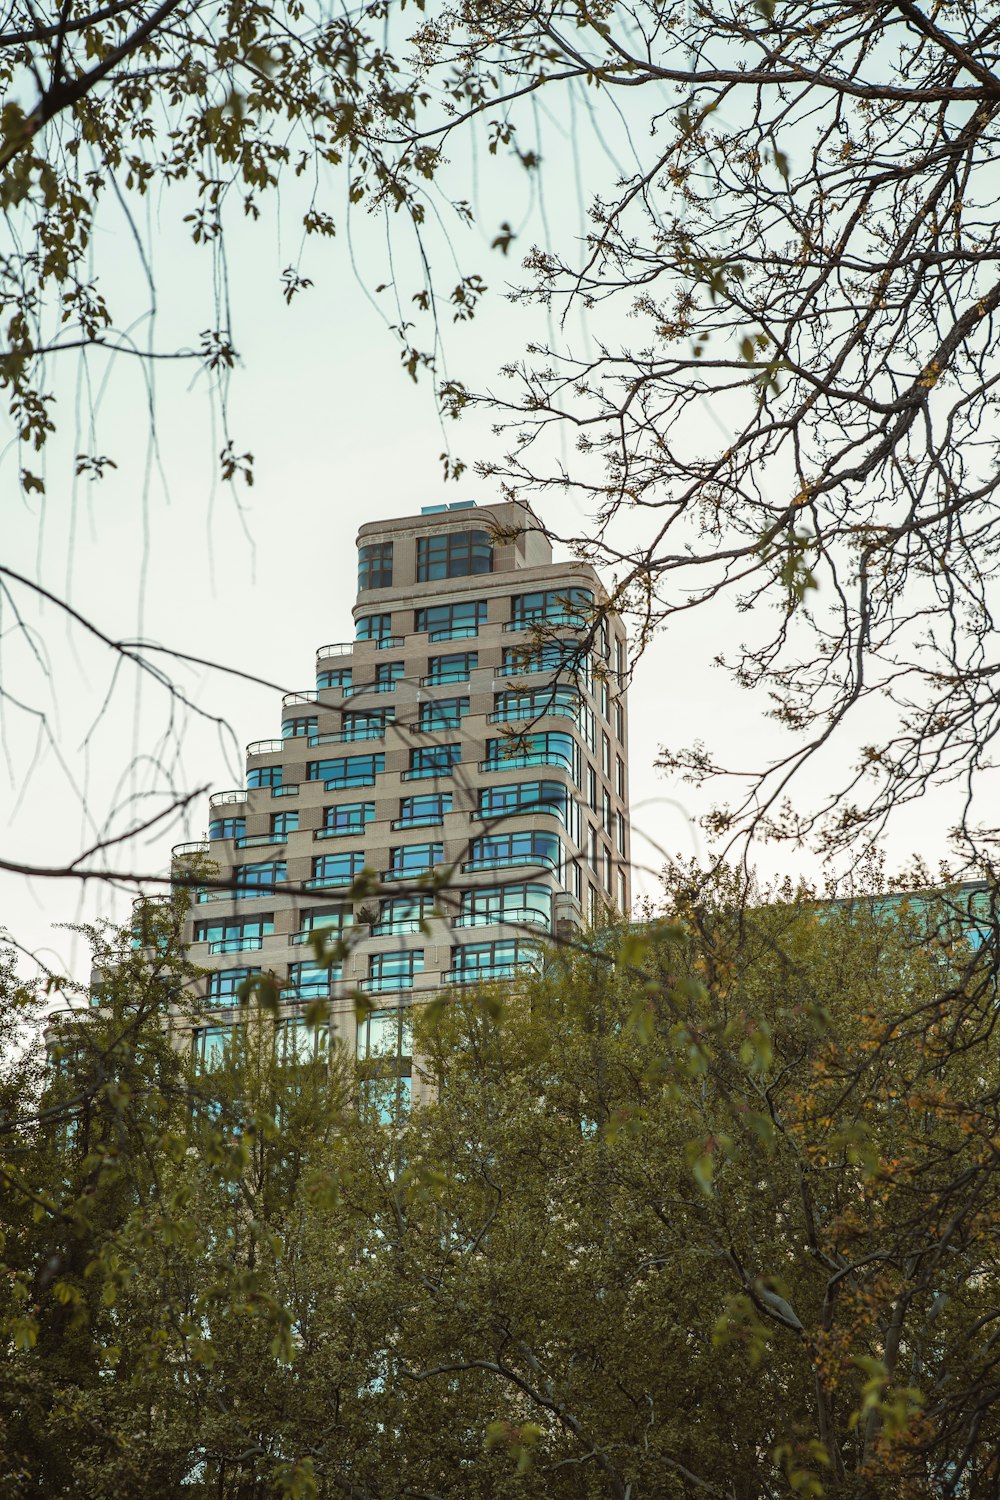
[[397, 925], [521, 915], [256, 840], [440, 679], [327, 883], [339, 833], [432, 820], [339, 786], [545, 711], [508, 861], [370, 687], [453, 633], [197, 846], [310, 932], [526, 809], [390, 643], [236, 945], [421, 773], [345, 736], [408, 874], [265, 747], [387, 982], [573, 622], [308, 696], [227, 799], [519, 762], [336, 648], [486, 971], [291, 790]]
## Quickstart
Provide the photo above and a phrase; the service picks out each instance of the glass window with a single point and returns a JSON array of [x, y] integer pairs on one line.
[[527, 848], [388, 673], [394, 971], [296, 1043], [620, 721], [546, 749], [210, 1046], [620, 661], [258, 879], [331, 919], [547, 656], [385, 1099], [622, 893], [607, 872], [403, 914], [620, 824], [375, 566], [224, 984], [339, 868], [605, 755], [453, 668], [443, 713], [496, 960], [366, 724], [442, 621], [237, 931], [373, 627], [605, 700], [606, 811], [523, 797], [348, 770], [227, 828], [264, 776], [508, 903], [434, 760], [566, 606], [307, 981], [592, 788], [559, 698], [621, 778], [335, 677], [430, 808], [349, 816], [414, 859], [299, 725], [453, 554], [282, 824], [386, 1033]]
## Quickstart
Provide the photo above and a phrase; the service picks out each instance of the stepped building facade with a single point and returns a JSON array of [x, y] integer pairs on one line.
[[473, 732]]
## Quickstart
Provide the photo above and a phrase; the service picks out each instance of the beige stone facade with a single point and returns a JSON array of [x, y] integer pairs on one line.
[[477, 725]]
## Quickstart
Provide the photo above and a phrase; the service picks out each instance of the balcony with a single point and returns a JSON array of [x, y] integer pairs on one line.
[[410, 874], [431, 821], [327, 883], [523, 916], [236, 945], [258, 840], [397, 925], [571, 622], [307, 933], [440, 679], [510, 861], [340, 833], [485, 972], [291, 790], [228, 799], [390, 643], [519, 762], [347, 736], [453, 633], [265, 747], [387, 983], [370, 687], [337, 648], [181, 851], [339, 786], [421, 773], [546, 711], [308, 697]]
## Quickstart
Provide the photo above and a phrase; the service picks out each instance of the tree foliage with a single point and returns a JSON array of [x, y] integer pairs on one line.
[[709, 1207]]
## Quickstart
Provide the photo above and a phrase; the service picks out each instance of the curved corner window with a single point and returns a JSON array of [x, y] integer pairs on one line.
[[375, 566], [453, 554]]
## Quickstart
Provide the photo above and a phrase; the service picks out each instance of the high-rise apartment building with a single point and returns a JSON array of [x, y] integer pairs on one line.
[[476, 724]]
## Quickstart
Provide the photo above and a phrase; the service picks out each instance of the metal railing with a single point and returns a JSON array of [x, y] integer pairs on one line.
[[519, 762], [255, 840], [522, 915], [421, 773], [291, 790], [440, 679], [236, 945], [338, 833], [371, 687], [409, 874], [508, 861], [430, 821], [265, 747], [388, 982], [549, 710], [572, 622], [225, 799], [398, 925], [453, 633], [307, 696], [336, 648], [197, 846], [390, 643]]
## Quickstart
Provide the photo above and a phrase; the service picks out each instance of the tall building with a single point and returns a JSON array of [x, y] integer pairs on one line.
[[476, 725]]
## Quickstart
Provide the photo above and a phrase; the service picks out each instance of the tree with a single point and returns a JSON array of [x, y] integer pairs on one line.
[[708, 1207]]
